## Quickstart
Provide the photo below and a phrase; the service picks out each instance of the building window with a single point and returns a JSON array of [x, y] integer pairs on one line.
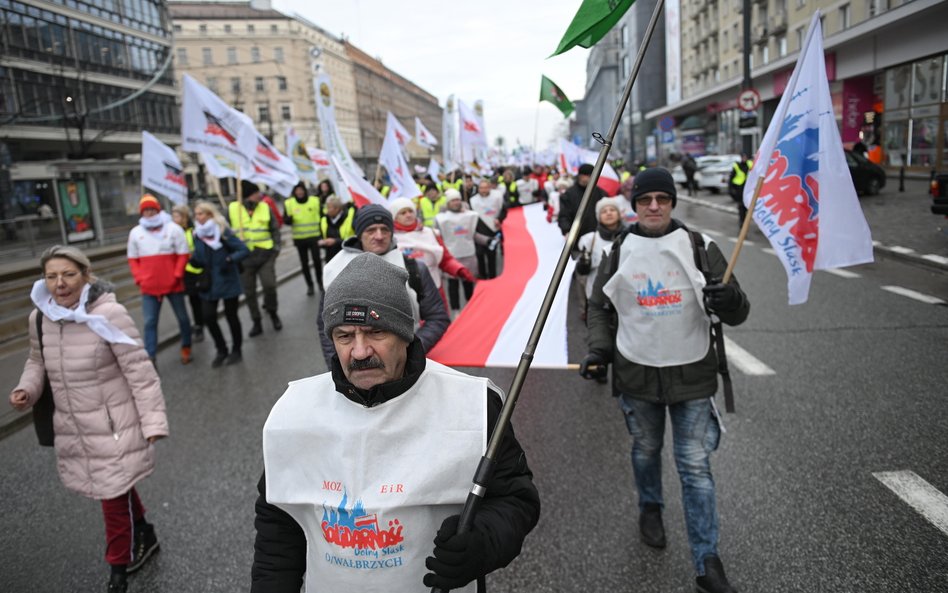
[[278, 54], [202, 29], [182, 56], [263, 113], [626, 66], [726, 44], [844, 17], [876, 7], [727, 73], [258, 84], [231, 55], [212, 83], [625, 36], [801, 3], [782, 46], [286, 113], [281, 83], [274, 29], [255, 55], [177, 28], [250, 30], [206, 56], [235, 85], [228, 29], [765, 55], [801, 37]]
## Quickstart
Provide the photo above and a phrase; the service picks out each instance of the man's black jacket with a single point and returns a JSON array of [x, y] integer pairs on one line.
[[507, 514], [569, 206]]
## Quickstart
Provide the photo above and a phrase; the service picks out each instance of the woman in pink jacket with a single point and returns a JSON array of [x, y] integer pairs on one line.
[[108, 399]]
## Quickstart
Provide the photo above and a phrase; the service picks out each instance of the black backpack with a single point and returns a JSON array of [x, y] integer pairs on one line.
[[44, 407]]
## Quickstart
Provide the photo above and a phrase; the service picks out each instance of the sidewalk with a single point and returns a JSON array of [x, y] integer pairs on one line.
[[902, 224], [287, 267]]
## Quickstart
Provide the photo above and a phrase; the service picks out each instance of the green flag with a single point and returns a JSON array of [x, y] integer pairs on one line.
[[591, 23], [555, 95]]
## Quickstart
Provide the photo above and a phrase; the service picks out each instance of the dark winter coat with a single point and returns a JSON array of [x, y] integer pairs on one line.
[[569, 206], [222, 263]]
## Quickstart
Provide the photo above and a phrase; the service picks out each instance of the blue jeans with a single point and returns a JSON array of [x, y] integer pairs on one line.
[[695, 434], [151, 307]]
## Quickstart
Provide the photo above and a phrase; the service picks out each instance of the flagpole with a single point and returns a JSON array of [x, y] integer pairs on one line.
[[240, 209], [485, 468], [745, 226]]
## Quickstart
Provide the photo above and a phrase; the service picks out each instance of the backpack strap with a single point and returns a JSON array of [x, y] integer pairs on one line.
[[717, 328]]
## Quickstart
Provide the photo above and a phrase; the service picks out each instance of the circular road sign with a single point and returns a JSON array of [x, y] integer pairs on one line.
[[748, 100], [666, 124]]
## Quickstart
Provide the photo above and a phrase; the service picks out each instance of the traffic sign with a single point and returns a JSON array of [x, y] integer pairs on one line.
[[666, 124], [748, 100]]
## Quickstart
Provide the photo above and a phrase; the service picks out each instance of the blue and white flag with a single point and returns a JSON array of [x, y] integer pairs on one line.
[[807, 206]]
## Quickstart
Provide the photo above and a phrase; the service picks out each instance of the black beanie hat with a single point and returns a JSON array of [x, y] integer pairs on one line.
[[248, 188], [371, 214], [654, 179], [586, 169]]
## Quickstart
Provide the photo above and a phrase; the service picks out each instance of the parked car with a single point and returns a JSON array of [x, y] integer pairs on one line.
[[717, 173], [868, 177], [939, 191], [678, 174]]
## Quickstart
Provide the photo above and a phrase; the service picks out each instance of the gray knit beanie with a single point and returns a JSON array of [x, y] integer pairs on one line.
[[370, 291]]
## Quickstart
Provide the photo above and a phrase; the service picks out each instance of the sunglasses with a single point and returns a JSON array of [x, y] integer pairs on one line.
[[647, 200]]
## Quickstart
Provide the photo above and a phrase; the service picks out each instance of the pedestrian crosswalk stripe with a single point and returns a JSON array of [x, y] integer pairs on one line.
[[918, 494], [769, 251], [746, 362], [842, 273], [912, 294]]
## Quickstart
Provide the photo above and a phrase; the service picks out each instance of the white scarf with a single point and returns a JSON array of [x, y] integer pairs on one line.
[[210, 233], [97, 323], [155, 222]]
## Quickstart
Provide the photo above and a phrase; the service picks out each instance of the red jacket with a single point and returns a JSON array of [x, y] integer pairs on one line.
[[157, 258]]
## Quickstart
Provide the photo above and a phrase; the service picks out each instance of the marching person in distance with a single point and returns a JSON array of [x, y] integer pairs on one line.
[[459, 232], [157, 256], [220, 252], [374, 233], [304, 215], [109, 407], [596, 245], [256, 226], [690, 167], [422, 243], [336, 225], [181, 215], [649, 315], [735, 186], [324, 190], [553, 198], [490, 208], [508, 185], [396, 492], [468, 188], [570, 199], [430, 204], [628, 209], [528, 187]]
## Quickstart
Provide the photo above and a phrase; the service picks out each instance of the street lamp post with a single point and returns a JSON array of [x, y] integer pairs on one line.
[[747, 147]]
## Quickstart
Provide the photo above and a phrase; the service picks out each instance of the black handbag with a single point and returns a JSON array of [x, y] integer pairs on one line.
[[202, 282], [44, 407]]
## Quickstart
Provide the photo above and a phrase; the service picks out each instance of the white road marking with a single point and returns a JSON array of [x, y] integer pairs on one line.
[[902, 250], [769, 251], [746, 241], [938, 259], [918, 494], [918, 296], [711, 233], [842, 273], [745, 361]]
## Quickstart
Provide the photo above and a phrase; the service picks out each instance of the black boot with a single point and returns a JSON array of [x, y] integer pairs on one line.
[[310, 291], [257, 328], [145, 544], [651, 527], [219, 359], [277, 324], [197, 333], [233, 358], [714, 580], [118, 583]]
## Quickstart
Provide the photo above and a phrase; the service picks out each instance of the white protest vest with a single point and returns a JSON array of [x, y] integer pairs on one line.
[[371, 486], [488, 208], [422, 245], [457, 231], [656, 291], [339, 262], [599, 248]]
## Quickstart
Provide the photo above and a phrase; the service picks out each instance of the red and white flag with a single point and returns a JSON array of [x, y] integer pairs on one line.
[[494, 326], [162, 171], [360, 190], [422, 136], [608, 179], [273, 167], [399, 173], [320, 158], [807, 206], [211, 126], [395, 127]]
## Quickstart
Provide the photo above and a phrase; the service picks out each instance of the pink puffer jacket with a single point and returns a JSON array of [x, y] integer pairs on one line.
[[108, 400]]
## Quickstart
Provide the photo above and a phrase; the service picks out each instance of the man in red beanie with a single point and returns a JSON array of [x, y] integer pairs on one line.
[[157, 254]]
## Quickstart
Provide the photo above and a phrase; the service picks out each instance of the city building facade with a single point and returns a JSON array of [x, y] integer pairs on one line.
[[79, 81]]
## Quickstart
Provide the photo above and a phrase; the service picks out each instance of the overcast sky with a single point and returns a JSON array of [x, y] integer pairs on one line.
[[486, 49]]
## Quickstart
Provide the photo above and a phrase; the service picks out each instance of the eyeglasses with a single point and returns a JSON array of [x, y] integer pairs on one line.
[[663, 200]]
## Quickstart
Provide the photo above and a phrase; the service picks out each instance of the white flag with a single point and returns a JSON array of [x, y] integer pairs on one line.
[[807, 206], [299, 153], [450, 147], [273, 167], [392, 158], [395, 127], [359, 189], [218, 166], [422, 136], [162, 171], [321, 159], [433, 169], [329, 130], [471, 134], [209, 125]]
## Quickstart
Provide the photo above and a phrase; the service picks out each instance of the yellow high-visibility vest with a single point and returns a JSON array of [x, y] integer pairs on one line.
[[256, 226], [189, 235], [345, 229], [305, 217], [429, 210]]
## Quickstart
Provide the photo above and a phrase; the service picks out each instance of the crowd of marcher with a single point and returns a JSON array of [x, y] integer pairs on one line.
[[391, 280]]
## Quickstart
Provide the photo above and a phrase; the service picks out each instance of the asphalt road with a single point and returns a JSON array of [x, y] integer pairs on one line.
[[858, 386]]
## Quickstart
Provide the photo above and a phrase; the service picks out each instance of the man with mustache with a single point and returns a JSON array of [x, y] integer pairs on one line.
[[365, 464]]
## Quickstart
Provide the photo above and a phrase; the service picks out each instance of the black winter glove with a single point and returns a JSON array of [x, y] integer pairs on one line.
[[458, 559], [592, 367], [722, 298]]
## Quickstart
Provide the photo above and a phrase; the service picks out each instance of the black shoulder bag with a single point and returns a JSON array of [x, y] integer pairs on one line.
[[44, 407]]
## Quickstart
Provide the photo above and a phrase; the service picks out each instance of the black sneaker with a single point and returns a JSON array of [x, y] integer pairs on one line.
[[118, 583], [219, 359], [310, 291], [651, 527], [714, 580], [197, 333], [257, 328], [233, 358], [277, 324], [146, 544]]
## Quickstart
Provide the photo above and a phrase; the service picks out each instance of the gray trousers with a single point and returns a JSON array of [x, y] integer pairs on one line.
[[262, 263]]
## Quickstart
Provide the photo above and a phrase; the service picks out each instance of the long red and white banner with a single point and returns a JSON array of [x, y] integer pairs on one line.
[[493, 328]]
